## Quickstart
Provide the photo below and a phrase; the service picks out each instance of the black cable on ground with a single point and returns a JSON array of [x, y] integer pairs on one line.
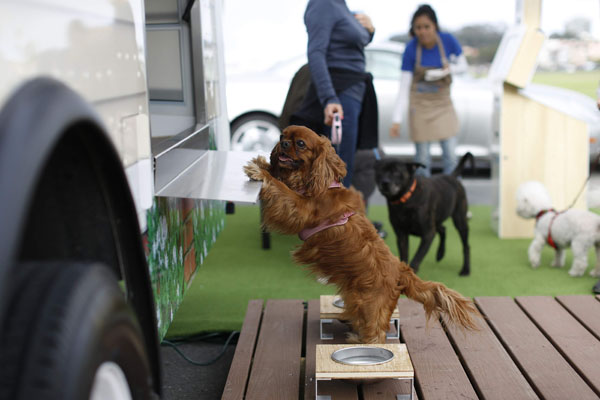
[[177, 342]]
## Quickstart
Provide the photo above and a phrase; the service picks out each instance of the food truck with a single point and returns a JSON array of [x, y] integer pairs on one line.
[[114, 172]]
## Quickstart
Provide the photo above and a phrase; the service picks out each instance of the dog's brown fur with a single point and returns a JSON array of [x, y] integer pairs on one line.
[[295, 195]]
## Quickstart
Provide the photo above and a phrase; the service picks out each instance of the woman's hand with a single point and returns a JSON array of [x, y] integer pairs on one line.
[[365, 21], [331, 109], [395, 130]]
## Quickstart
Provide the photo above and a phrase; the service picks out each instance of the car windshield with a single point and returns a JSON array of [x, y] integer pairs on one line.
[[383, 64]]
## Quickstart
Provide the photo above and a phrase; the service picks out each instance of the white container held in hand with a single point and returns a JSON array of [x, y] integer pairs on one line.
[[336, 129], [436, 74]]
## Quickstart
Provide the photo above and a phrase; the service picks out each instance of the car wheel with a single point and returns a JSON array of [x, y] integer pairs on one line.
[[71, 335], [255, 132]]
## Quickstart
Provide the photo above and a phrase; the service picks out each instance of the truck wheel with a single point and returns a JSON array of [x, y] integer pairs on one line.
[[255, 132], [70, 335]]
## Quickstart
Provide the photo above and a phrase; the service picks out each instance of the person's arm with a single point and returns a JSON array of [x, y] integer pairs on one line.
[[319, 25], [401, 106], [406, 76], [458, 64], [458, 61]]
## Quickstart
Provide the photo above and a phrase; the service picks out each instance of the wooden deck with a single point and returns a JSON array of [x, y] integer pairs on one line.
[[528, 348]]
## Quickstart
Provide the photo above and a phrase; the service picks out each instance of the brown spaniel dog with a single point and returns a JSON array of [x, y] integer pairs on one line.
[[301, 194]]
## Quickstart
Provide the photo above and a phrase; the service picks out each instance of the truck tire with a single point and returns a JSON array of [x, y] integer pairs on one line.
[[69, 334], [255, 132]]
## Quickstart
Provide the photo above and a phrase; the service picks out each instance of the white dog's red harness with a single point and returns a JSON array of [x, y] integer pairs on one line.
[[308, 232], [549, 238]]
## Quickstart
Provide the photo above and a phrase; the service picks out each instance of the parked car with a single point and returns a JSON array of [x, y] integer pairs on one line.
[[255, 102]]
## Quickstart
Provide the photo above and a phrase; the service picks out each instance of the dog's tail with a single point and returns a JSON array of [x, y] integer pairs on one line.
[[461, 164], [438, 299]]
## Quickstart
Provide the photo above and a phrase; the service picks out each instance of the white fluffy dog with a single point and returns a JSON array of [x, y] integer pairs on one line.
[[579, 229]]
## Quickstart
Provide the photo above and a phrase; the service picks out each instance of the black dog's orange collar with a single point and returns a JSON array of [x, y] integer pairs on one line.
[[406, 195]]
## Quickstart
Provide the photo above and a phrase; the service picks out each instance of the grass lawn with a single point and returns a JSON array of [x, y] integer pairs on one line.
[[584, 82], [237, 269]]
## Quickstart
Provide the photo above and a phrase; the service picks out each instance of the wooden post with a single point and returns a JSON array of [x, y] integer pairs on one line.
[[536, 141]]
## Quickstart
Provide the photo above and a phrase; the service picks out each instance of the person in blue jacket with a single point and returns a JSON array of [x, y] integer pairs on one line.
[[339, 82], [428, 62]]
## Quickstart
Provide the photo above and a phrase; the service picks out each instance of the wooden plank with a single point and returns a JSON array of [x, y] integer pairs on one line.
[[240, 365], [573, 341], [586, 309], [439, 373], [547, 371], [491, 370], [336, 389], [276, 367]]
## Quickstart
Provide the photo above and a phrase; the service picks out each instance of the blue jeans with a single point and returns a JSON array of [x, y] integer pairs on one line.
[[347, 149], [423, 156]]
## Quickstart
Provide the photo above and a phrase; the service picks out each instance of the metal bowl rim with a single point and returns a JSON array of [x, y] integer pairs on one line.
[[338, 301], [362, 348]]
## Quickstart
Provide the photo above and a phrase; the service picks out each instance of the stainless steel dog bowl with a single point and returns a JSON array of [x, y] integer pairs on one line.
[[362, 355], [339, 302]]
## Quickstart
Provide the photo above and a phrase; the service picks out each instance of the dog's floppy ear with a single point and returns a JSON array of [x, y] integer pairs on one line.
[[274, 170], [327, 167]]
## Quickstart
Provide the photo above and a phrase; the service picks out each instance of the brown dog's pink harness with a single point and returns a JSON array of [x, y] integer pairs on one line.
[[308, 232]]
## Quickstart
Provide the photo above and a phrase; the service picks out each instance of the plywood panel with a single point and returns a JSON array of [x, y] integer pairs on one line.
[[526, 60], [543, 144]]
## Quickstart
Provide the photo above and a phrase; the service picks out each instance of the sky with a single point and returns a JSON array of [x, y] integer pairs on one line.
[[258, 33]]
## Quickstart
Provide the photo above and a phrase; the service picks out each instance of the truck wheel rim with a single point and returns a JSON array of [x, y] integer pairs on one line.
[[255, 136], [110, 383]]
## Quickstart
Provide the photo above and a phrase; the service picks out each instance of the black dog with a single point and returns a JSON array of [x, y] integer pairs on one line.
[[418, 206]]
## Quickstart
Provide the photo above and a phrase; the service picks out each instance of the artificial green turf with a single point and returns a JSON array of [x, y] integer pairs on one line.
[[585, 82], [237, 269]]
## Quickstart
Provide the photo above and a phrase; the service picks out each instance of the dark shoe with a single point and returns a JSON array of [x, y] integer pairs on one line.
[[596, 288]]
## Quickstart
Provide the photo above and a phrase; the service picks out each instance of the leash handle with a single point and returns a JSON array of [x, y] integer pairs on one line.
[[336, 129]]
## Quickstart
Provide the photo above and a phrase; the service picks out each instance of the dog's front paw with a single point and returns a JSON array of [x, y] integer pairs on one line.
[[353, 338], [254, 171], [261, 162]]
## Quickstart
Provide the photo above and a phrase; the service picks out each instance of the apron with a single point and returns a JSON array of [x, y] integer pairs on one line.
[[432, 116]]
